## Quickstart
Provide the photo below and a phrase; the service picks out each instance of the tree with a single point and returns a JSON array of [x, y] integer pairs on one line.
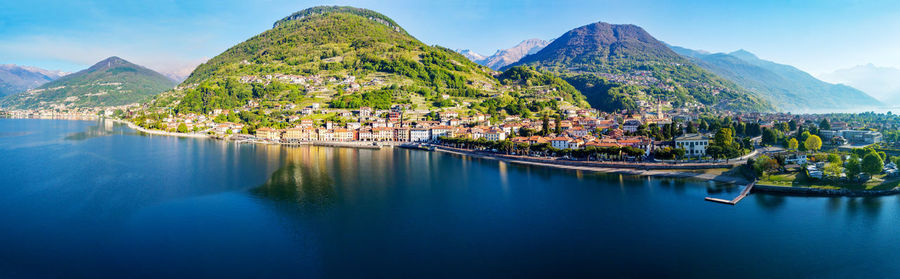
[[792, 125], [833, 169], [558, 124], [769, 136], [545, 126], [182, 128], [824, 125], [805, 135], [763, 163], [723, 137], [746, 144], [793, 144], [506, 146], [525, 132], [834, 158], [690, 128], [853, 167], [813, 142], [872, 164]]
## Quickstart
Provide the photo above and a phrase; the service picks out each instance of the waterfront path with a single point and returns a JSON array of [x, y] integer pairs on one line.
[[683, 172]]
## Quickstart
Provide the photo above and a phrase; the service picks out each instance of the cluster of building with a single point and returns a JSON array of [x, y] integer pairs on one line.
[[578, 131], [856, 137], [74, 113], [313, 83]]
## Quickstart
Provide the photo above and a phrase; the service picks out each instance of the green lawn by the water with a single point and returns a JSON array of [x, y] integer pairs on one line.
[[797, 179]]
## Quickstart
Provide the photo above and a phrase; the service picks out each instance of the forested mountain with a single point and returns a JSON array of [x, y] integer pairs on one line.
[[346, 57], [637, 67], [111, 82], [785, 86], [15, 79]]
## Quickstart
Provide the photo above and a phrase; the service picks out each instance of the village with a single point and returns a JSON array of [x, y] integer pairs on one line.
[[655, 129]]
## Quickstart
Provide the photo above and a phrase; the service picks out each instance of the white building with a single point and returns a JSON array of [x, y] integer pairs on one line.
[[440, 131], [495, 135], [417, 135], [694, 145], [560, 142]]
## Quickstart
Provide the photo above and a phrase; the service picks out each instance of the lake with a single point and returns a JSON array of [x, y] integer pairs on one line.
[[93, 199]]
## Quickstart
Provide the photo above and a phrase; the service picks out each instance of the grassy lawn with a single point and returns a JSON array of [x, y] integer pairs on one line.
[[878, 182]]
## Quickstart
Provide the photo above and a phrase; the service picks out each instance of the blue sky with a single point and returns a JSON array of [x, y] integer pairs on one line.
[[171, 36]]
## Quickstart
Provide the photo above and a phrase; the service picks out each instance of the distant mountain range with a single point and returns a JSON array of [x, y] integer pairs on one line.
[[15, 79], [504, 57], [640, 65], [472, 56], [111, 82], [785, 86], [882, 83]]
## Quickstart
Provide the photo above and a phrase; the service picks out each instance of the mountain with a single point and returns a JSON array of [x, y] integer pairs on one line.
[[345, 57], [472, 56], [785, 86], [15, 79], [636, 66], [111, 82], [504, 57], [882, 83]]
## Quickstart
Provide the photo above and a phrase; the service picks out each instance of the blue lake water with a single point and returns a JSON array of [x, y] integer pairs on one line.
[[92, 199]]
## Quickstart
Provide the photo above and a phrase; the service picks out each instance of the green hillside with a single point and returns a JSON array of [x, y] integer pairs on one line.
[[635, 66], [784, 86], [111, 82], [346, 57]]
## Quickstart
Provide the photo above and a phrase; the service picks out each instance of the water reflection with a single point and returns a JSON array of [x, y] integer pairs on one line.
[[102, 129], [769, 202], [14, 134], [872, 206], [303, 179], [722, 188]]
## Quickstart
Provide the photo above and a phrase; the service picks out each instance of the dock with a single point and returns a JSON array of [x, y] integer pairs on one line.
[[737, 199]]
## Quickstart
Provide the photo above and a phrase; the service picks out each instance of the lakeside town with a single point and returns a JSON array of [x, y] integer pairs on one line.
[[651, 131], [782, 148]]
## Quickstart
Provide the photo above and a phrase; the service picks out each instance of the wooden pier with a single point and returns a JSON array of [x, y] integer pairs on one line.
[[737, 199]]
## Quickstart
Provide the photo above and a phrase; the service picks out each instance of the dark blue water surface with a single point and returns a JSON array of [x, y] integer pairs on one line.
[[93, 199]]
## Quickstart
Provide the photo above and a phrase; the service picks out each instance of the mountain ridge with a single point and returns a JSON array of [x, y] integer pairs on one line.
[[882, 83], [109, 82], [346, 58], [785, 86], [18, 78], [642, 66], [503, 57]]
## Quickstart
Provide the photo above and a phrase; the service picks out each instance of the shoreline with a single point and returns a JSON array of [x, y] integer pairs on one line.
[[155, 132], [659, 171]]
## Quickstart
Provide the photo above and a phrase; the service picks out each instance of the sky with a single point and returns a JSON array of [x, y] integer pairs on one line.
[[173, 36]]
